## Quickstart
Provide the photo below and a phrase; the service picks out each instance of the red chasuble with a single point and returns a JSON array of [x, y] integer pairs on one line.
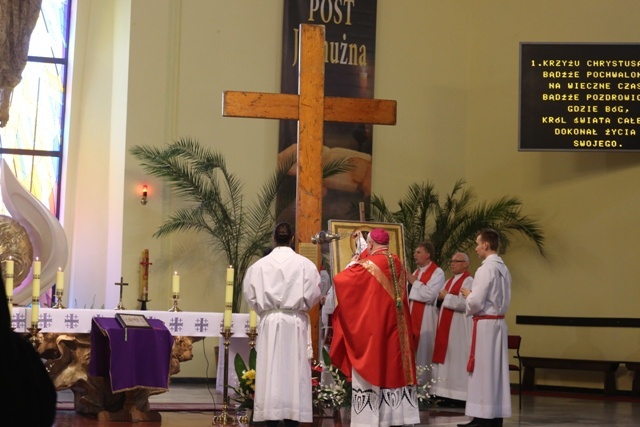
[[372, 334], [444, 324], [417, 307]]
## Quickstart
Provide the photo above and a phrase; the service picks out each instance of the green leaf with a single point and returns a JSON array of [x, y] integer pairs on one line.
[[239, 364], [253, 354]]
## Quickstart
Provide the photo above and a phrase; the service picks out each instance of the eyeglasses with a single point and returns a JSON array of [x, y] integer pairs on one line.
[[458, 260]]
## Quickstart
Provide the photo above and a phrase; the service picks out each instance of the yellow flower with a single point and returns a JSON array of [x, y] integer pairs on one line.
[[249, 376]]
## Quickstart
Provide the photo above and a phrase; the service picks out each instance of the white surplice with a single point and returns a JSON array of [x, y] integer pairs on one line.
[[489, 391], [281, 287], [428, 294], [451, 376]]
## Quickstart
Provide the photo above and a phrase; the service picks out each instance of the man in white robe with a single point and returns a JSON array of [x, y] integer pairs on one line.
[[426, 282], [453, 337], [489, 390], [281, 287]]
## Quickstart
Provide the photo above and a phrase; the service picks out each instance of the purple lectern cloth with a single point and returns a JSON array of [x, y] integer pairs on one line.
[[142, 360]]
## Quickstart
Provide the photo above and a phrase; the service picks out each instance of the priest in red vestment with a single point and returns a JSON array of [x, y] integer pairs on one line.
[[373, 341]]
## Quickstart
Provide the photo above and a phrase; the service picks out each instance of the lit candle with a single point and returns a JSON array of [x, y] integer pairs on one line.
[[175, 285], [35, 312], [228, 298], [37, 268], [60, 280], [253, 318]]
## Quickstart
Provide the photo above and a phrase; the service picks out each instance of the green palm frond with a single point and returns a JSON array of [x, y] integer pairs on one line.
[[452, 224], [215, 201]]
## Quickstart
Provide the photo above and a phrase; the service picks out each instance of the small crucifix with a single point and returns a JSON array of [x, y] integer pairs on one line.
[[121, 284], [311, 108]]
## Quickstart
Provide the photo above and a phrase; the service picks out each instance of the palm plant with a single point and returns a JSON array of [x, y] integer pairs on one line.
[[214, 201], [452, 224]]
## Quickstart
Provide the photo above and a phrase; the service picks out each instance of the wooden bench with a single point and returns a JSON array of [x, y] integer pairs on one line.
[[635, 368], [607, 367]]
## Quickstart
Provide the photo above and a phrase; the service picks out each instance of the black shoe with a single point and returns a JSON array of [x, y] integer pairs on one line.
[[478, 422]]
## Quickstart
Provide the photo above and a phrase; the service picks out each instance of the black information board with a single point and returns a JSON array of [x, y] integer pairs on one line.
[[579, 97]]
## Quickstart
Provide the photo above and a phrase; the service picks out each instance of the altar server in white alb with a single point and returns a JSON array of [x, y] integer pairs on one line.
[[453, 337], [489, 392], [281, 287], [426, 283]]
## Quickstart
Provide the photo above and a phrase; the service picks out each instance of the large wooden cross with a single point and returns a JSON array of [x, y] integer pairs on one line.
[[311, 108]]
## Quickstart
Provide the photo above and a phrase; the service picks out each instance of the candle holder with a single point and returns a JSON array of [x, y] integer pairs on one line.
[[59, 294], [34, 337], [176, 297], [143, 301], [224, 418], [252, 333]]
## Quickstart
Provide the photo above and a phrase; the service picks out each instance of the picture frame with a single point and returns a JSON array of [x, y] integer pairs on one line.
[[341, 251], [132, 320]]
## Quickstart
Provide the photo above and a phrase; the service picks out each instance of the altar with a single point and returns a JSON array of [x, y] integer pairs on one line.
[[65, 345]]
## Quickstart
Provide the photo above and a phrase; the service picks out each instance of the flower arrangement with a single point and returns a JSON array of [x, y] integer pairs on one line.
[[244, 393], [329, 392], [425, 398]]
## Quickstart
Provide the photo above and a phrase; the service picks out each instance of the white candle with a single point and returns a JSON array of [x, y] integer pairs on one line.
[[35, 312], [37, 268], [228, 298], [8, 278], [175, 285], [8, 283], [253, 318], [60, 280]]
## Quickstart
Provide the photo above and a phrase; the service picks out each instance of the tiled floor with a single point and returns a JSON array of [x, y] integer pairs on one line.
[[536, 411]]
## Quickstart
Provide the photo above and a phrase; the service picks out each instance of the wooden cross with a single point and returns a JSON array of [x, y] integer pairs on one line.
[[311, 108]]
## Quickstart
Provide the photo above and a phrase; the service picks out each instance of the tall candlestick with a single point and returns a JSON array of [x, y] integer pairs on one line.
[[60, 279], [37, 268], [175, 285], [228, 298], [253, 318]]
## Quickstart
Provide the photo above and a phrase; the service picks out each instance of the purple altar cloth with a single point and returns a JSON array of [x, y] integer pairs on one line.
[[142, 360]]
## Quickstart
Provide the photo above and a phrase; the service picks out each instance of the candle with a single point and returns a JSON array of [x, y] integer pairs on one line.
[[37, 268], [144, 274], [8, 283], [175, 285], [228, 298], [253, 318], [35, 308], [60, 280], [8, 277]]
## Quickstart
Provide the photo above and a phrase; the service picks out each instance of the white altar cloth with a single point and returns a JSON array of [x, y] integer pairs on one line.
[[78, 321]]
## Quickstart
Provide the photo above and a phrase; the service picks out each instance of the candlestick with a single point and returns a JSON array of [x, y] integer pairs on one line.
[[60, 279], [253, 318], [37, 268], [175, 285], [228, 299]]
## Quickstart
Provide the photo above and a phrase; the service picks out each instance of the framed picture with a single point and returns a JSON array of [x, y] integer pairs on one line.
[[341, 251], [132, 320]]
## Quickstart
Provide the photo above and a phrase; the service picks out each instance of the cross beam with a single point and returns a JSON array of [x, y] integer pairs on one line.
[[311, 108]]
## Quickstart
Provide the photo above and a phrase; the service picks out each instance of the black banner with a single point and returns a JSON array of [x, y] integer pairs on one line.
[[350, 29]]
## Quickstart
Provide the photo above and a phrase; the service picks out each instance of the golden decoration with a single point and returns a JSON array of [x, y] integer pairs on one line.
[[15, 243]]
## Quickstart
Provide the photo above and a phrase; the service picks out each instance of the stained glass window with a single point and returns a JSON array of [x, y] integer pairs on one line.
[[32, 141]]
